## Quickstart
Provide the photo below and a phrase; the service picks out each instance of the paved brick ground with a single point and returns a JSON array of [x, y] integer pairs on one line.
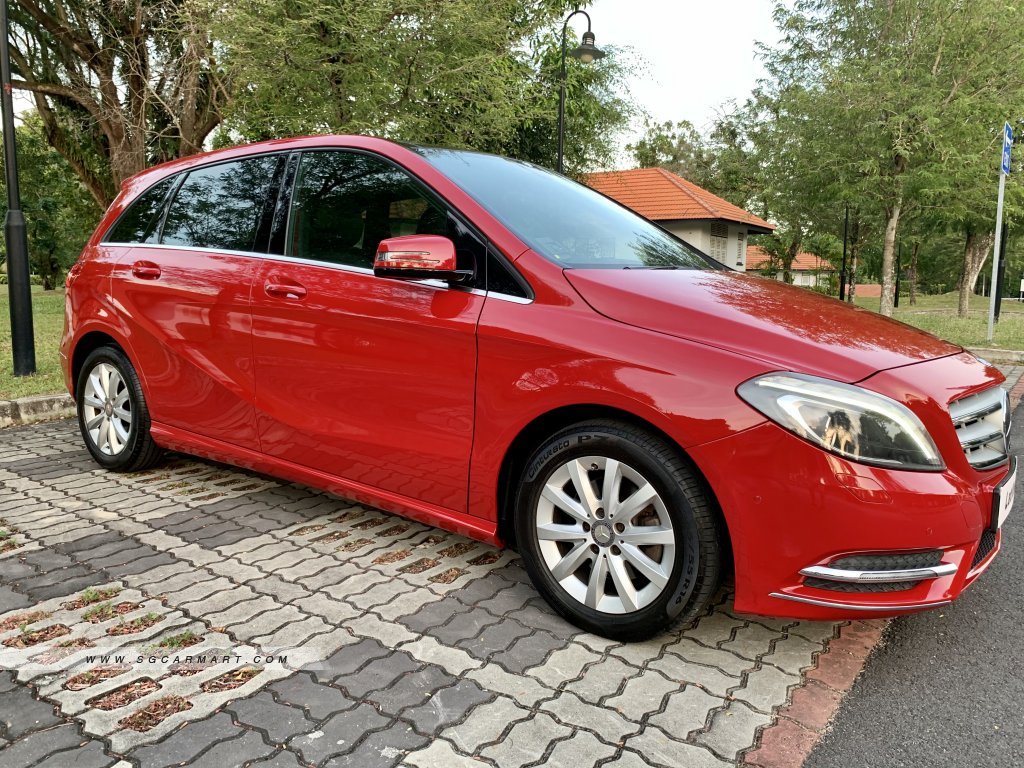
[[197, 614]]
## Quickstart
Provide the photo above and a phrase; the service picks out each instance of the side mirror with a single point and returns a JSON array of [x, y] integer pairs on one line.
[[419, 257]]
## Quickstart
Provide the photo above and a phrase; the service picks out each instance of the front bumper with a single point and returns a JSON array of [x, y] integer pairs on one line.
[[794, 510]]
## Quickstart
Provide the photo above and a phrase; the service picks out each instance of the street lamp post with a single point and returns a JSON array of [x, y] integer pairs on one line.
[[585, 52], [18, 285]]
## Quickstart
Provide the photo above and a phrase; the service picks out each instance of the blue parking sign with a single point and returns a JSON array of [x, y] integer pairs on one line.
[[1007, 144]]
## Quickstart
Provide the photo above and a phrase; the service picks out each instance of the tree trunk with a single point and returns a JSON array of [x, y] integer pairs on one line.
[[913, 273], [976, 248], [790, 256], [888, 252]]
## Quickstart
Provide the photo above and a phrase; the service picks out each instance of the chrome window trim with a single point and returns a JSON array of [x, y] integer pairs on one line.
[[327, 265]]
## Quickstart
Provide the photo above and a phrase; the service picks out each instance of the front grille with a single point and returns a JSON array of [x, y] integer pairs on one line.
[[988, 541], [982, 423], [848, 586], [891, 562]]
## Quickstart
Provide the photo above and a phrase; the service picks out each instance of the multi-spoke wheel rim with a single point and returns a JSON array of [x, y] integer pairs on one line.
[[107, 409], [605, 534]]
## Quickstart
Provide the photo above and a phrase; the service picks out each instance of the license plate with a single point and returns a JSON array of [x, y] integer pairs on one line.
[[1002, 498]]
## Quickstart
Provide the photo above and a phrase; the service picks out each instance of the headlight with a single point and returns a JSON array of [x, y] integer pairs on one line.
[[846, 420]]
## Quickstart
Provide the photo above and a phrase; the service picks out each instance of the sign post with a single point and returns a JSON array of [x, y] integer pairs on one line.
[[1004, 171]]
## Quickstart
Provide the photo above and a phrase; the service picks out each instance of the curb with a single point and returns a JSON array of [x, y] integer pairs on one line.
[[798, 725], [29, 410], [998, 355]]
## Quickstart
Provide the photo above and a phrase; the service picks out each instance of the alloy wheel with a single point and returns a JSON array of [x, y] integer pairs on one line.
[[107, 409], [605, 534]]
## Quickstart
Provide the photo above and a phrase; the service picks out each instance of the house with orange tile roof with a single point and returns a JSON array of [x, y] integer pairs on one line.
[[807, 269], [704, 220]]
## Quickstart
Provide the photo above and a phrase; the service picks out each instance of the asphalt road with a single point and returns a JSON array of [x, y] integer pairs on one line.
[[946, 687]]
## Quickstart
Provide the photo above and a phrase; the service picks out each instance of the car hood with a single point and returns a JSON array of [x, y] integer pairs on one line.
[[787, 327]]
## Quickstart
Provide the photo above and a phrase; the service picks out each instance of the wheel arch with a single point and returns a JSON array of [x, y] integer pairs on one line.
[[549, 423], [86, 344]]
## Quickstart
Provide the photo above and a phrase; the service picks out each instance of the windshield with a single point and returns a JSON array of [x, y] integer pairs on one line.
[[566, 222]]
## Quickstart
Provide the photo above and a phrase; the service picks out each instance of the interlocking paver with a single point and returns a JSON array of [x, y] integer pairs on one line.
[[318, 700], [605, 678], [733, 728], [382, 749], [38, 744], [580, 749], [441, 754], [711, 679], [686, 710], [659, 748], [485, 724], [376, 675], [572, 710], [766, 687], [793, 653], [427, 673], [642, 694], [281, 722], [338, 734], [446, 706], [412, 689], [22, 713], [247, 747], [494, 639], [526, 742]]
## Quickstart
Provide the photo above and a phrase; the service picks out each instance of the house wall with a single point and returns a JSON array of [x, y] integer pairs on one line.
[[802, 277], [732, 252]]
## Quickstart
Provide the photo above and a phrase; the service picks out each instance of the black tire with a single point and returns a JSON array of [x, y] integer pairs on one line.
[[136, 451], [698, 550]]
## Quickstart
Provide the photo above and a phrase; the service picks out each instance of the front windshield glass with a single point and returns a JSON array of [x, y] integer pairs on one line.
[[561, 220]]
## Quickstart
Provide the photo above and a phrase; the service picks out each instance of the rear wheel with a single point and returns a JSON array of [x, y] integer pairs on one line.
[[616, 530], [112, 413]]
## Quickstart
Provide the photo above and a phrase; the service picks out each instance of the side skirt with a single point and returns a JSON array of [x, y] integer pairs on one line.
[[175, 439]]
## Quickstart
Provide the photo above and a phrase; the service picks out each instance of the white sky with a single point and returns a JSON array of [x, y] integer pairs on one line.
[[694, 55]]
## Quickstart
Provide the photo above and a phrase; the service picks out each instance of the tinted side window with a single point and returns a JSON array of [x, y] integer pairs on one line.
[[139, 223], [221, 206], [345, 203]]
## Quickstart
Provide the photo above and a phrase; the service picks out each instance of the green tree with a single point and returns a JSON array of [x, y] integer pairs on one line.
[[676, 147], [884, 94], [117, 85], [448, 72], [59, 213]]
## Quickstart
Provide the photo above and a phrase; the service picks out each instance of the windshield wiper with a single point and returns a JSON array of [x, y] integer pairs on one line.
[[664, 266]]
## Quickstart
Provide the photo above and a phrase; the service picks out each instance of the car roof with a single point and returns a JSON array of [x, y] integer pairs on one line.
[[171, 167]]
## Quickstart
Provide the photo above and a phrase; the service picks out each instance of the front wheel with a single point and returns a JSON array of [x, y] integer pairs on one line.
[[617, 531], [112, 413]]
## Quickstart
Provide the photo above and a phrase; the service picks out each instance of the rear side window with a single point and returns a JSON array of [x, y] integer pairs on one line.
[[221, 206], [138, 224]]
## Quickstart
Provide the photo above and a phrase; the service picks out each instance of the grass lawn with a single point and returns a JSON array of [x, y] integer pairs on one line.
[[937, 314], [48, 319]]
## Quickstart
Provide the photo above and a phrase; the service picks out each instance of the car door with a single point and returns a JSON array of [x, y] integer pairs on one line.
[[185, 295], [365, 378]]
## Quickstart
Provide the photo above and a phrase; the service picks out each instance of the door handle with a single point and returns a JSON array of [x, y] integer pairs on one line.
[[283, 290], [146, 270]]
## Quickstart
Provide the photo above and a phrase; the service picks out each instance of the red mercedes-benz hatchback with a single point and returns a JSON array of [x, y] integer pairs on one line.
[[487, 346]]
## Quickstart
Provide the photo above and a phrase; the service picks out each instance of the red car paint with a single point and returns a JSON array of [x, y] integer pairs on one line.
[[411, 396]]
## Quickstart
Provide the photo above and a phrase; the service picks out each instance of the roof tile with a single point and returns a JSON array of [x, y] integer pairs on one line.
[[660, 195]]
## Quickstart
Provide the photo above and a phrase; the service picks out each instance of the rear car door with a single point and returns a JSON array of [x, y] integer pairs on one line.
[[365, 378], [185, 291]]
